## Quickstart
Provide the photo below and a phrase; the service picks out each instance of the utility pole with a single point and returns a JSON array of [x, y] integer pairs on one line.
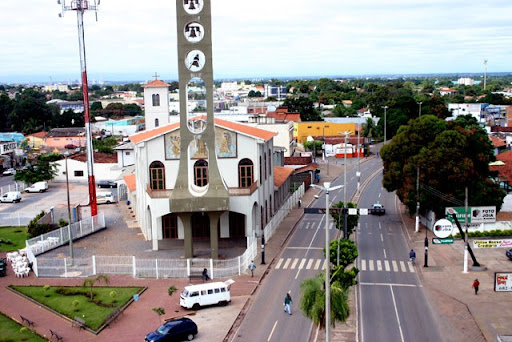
[[385, 126]]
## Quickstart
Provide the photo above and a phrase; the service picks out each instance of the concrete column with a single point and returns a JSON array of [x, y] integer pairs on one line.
[[186, 219], [214, 236]]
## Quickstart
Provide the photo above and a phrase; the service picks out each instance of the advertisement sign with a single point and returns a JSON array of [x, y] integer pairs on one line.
[[475, 214], [442, 228], [502, 243], [439, 241], [502, 281]]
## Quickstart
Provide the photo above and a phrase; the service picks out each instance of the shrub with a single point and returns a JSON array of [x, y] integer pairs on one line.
[[62, 223]]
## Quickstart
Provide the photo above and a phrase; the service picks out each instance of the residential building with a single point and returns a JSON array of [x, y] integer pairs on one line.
[[36, 140], [58, 138], [105, 167]]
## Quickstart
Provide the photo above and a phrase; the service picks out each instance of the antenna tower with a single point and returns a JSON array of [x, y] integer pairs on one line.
[[80, 6], [485, 74]]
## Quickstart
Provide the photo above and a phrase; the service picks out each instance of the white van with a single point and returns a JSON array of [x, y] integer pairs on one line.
[[103, 197], [195, 296], [37, 187], [11, 196]]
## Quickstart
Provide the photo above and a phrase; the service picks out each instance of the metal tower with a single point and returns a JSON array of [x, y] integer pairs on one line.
[[80, 6], [485, 74]]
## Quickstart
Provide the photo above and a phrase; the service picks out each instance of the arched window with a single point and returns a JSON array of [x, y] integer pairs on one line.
[[157, 123], [156, 100], [269, 163], [157, 175], [201, 173], [245, 173], [265, 165]]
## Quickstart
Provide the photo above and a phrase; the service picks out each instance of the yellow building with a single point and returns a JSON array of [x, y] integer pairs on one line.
[[36, 140], [320, 129]]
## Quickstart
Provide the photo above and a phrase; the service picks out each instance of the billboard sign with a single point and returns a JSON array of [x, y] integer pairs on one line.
[[502, 243], [442, 228], [503, 282], [475, 214]]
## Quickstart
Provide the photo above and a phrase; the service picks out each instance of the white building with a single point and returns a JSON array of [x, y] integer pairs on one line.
[[465, 81]]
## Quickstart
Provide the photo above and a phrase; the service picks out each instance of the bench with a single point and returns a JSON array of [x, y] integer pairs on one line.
[[78, 322], [28, 321], [196, 275], [57, 336]]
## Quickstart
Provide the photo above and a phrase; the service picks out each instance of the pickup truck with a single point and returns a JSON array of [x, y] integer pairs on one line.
[[377, 209]]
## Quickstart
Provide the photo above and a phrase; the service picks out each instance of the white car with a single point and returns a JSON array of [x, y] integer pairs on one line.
[[37, 187], [11, 197], [9, 172]]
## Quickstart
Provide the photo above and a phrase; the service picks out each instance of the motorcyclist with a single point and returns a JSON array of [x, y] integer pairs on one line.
[[412, 255]]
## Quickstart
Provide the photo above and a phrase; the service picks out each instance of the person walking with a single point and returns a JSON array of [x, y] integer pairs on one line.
[[288, 303], [252, 267], [475, 285], [412, 256]]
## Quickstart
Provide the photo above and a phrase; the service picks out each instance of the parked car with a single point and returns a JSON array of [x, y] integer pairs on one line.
[[11, 197], [9, 172], [509, 254], [105, 197], [37, 187], [174, 330], [70, 146], [107, 184]]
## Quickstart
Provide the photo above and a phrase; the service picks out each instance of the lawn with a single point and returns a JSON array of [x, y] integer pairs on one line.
[[11, 331], [16, 236], [73, 301]]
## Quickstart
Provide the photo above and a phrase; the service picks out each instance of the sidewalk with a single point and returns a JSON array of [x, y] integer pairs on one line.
[[462, 315]]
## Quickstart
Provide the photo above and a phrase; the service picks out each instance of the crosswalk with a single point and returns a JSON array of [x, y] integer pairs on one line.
[[365, 265], [314, 225]]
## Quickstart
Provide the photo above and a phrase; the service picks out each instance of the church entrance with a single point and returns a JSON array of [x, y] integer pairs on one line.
[[200, 226], [236, 225], [170, 226]]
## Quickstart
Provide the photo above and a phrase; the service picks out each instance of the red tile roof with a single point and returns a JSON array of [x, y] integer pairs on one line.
[[240, 128], [281, 174], [155, 84], [497, 142], [102, 158], [39, 135], [505, 156], [131, 182]]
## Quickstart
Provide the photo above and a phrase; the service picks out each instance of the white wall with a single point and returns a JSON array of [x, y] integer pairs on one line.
[[101, 171]]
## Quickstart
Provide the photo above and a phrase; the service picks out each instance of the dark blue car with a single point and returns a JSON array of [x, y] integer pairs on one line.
[[179, 329], [509, 254]]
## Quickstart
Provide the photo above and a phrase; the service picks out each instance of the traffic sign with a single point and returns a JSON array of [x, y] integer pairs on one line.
[[442, 241]]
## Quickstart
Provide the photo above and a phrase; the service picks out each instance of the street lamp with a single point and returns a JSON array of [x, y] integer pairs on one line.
[[69, 214], [327, 188], [385, 128], [323, 136], [419, 113]]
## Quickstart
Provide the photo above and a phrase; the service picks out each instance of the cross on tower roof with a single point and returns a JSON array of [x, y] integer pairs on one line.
[[156, 76]]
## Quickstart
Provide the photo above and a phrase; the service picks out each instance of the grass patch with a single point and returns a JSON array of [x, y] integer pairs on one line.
[[13, 331], [72, 301], [12, 238]]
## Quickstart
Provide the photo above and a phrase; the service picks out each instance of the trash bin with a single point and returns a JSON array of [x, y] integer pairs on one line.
[[136, 297], [127, 202]]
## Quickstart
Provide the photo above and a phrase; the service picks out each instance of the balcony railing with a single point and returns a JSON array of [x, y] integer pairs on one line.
[[243, 191], [165, 193]]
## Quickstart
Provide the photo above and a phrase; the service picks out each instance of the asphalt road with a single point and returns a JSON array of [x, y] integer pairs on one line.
[[301, 258], [392, 302]]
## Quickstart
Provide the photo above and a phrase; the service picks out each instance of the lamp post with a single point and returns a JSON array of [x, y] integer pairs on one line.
[[323, 138], [419, 113], [417, 225], [327, 188], [69, 214], [385, 126], [358, 174]]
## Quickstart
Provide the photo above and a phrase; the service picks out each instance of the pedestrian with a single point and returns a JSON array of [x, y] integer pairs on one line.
[[288, 303], [476, 284], [205, 275], [252, 267]]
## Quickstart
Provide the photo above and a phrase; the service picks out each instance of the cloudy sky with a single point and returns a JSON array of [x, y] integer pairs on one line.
[[266, 38]]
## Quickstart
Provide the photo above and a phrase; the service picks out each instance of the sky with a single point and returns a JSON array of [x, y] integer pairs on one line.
[[258, 39]]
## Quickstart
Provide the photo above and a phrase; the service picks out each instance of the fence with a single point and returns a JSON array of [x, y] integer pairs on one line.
[[16, 186], [155, 268], [17, 219]]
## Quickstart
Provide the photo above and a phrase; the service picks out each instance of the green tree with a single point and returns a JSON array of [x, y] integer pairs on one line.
[[304, 106], [89, 282], [339, 220], [312, 301], [440, 150], [105, 145], [348, 252], [6, 107], [43, 170], [30, 113], [132, 109]]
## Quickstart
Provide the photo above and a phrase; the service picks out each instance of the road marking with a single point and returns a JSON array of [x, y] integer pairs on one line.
[[279, 263], [395, 266], [411, 267], [363, 265], [271, 332], [396, 312], [381, 237], [324, 265], [386, 265], [370, 262], [302, 262], [390, 284], [379, 265], [385, 257], [287, 262], [295, 261], [402, 266], [317, 264], [310, 262], [306, 248]]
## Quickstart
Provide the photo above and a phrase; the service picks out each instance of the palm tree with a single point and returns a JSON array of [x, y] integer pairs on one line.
[[89, 282], [312, 301]]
